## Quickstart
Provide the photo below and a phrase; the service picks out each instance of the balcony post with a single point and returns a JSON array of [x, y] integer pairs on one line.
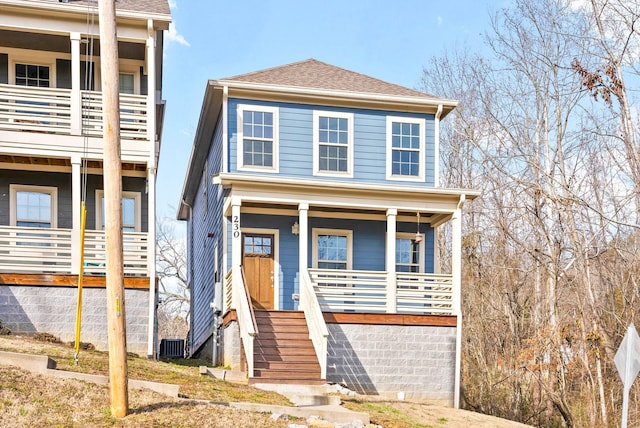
[[391, 261], [76, 197], [236, 249], [303, 242], [76, 94], [151, 258], [151, 91]]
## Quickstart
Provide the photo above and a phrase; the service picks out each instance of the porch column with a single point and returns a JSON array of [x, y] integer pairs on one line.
[[76, 95], [151, 91], [456, 282], [303, 240], [391, 260], [76, 197], [151, 257], [236, 248]]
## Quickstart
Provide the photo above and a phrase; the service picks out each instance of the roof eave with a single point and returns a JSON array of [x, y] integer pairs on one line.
[[408, 103], [209, 112]]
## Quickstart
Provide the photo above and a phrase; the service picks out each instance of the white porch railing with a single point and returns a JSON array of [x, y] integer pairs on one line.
[[35, 109], [35, 250], [318, 332], [133, 115], [39, 250], [421, 293], [366, 291], [48, 110], [246, 319], [134, 249]]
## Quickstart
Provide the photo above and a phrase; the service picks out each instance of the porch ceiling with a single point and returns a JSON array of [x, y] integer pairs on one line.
[[20, 161]]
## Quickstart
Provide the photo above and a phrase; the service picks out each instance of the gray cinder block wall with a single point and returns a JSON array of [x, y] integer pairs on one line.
[[231, 346], [387, 359], [27, 310]]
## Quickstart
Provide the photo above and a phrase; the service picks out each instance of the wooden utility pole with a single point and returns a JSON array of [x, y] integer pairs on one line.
[[113, 209]]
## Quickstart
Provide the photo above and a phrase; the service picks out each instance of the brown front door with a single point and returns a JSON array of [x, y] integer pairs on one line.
[[257, 260]]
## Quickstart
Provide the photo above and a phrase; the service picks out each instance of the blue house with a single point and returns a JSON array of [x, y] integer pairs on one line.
[[313, 211]]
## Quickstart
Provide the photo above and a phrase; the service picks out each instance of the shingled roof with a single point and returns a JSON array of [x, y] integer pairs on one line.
[[149, 6], [314, 74]]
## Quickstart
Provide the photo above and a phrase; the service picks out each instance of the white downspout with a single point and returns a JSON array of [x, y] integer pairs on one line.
[[436, 145], [151, 258]]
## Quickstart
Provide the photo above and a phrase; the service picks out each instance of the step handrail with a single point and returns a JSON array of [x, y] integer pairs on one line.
[[318, 331], [246, 319]]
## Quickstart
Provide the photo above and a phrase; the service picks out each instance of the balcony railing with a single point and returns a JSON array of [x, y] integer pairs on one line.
[[38, 250], [367, 291], [48, 110]]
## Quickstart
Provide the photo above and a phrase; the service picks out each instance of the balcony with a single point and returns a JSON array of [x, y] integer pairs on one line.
[[32, 250], [51, 111]]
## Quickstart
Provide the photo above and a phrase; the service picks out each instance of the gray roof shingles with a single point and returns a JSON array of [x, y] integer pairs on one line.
[[314, 74], [150, 6]]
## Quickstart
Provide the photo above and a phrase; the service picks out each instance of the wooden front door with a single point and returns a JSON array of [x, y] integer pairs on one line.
[[257, 260]]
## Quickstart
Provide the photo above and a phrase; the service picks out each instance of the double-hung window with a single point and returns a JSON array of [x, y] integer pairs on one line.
[[257, 138], [405, 148], [332, 249], [33, 206], [130, 211], [333, 143], [32, 75], [408, 254]]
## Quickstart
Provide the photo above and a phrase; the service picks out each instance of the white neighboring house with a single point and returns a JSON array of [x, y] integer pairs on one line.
[[51, 159]]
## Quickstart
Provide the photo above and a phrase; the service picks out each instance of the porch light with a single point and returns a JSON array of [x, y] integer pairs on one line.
[[295, 228]]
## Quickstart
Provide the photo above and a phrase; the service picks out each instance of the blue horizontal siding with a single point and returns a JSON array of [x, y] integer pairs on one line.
[[296, 141]]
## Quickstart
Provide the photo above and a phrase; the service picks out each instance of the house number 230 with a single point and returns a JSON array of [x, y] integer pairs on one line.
[[236, 226]]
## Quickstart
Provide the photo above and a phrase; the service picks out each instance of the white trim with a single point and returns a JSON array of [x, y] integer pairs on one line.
[[316, 143], [421, 253], [136, 196], [421, 151], [15, 188], [337, 232], [239, 137], [39, 59], [276, 258], [225, 126], [436, 144]]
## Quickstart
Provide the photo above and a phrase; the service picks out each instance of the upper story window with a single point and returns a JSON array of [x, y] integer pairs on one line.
[[408, 254], [127, 83], [333, 143], [405, 148], [257, 138], [33, 206], [32, 75], [130, 211]]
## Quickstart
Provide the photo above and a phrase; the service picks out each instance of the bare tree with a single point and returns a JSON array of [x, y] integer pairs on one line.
[[171, 268]]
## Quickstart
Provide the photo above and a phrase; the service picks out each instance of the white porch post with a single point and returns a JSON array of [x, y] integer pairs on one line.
[[151, 88], [303, 242], [391, 260], [456, 279], [236, 249], [76, 95], [75, 213], [151, 258]]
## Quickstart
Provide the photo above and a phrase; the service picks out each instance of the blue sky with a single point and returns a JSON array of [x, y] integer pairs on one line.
[[210, 39]]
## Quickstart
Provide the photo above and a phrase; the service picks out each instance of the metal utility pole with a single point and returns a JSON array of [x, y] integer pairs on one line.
[[113, 209]]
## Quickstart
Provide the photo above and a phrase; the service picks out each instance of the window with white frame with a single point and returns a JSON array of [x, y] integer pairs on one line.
[[409, 254], [332, 249], [333, 143], [33, 206], [405, 148], [257, 138], [32, 75], [131, 207], [127, 83]]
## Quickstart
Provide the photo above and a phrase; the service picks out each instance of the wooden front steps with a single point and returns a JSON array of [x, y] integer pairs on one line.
[[282, 351]]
